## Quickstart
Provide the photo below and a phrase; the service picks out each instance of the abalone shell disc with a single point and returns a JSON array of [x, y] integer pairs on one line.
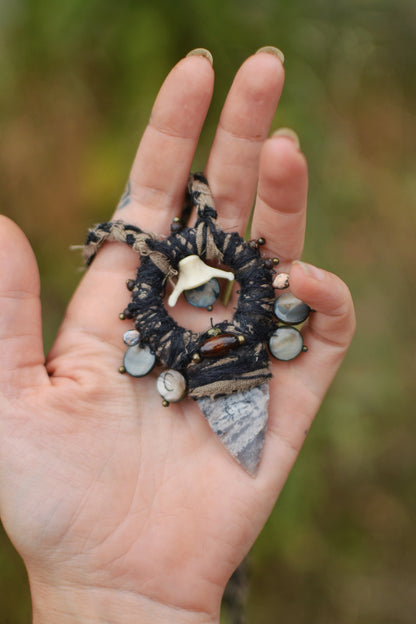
[[289, 309], [203, 296], [138, 361], [286, 343]]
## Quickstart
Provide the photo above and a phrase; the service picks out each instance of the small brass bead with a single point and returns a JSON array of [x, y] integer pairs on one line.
[[275, 261], [210, 308], [121, 316], [241, 339], [305, 348], [214, 331], [176, 220], [165, 403], [121, 370], [196, 357], [261, 241]]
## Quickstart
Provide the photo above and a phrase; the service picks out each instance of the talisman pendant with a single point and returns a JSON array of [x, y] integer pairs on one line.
[[225, 368]]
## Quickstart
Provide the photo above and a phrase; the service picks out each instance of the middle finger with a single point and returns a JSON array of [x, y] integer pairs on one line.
[[232, 167]]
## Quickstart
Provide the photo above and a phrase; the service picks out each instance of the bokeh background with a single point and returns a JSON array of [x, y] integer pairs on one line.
[[77, 79]]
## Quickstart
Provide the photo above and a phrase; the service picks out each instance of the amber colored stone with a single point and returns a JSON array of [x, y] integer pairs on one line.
[[218, 345]]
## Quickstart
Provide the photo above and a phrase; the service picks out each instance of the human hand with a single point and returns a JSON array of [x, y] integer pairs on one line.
[[122, 510]]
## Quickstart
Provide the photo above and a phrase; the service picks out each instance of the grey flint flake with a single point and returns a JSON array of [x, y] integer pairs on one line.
[[240, 422]]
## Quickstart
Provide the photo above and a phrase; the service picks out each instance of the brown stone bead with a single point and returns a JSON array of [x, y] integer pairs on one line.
[[218, 345], [127, 314], [268, 263], [176, 226], [130, 284]]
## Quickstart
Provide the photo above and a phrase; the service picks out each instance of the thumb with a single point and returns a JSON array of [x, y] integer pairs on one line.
[[21, 347]]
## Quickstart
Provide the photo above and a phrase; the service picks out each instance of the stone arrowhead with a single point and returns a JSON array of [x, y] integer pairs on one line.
[[240, 422]]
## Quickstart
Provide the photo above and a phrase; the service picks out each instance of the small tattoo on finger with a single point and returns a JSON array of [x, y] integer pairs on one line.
[[125, 198]]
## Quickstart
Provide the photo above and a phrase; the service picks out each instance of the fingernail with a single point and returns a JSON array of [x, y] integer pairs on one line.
[[202, 52], [272, 50], [288, 133], [310, 270]]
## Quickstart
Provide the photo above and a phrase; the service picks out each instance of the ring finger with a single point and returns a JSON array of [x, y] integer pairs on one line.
[[280, 210]]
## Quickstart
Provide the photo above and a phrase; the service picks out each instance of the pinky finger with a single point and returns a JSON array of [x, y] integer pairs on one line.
[[331, 326]]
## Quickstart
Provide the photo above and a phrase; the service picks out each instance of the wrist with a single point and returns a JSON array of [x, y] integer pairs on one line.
[[74, 605]]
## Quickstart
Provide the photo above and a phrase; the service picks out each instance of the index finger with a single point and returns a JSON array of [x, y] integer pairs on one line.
[[157, 186]]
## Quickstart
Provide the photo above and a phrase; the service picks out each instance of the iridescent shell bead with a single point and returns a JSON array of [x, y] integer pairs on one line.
[[171, 385], [289, 309], [203, 296], [131, 337], [138, 361], [286, 343]]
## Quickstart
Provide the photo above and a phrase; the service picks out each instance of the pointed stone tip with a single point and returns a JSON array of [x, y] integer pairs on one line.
[[240, 422], [251, 455]]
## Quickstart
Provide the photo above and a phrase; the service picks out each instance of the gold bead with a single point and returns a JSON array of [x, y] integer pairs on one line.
[[121, 316], [275, 261], [214, 331], [241, 339], [196, 357], [176, 220], [165, 403], [122, 370]]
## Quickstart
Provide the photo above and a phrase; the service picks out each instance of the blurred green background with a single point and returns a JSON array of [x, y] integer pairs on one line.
[[77, 79]]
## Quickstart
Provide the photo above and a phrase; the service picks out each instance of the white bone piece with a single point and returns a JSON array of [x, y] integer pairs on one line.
[[193, 272]]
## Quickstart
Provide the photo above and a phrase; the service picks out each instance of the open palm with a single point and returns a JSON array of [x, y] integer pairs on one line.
[[116, 504]]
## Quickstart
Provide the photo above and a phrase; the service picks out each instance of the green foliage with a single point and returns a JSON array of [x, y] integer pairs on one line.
[[77, 80]]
